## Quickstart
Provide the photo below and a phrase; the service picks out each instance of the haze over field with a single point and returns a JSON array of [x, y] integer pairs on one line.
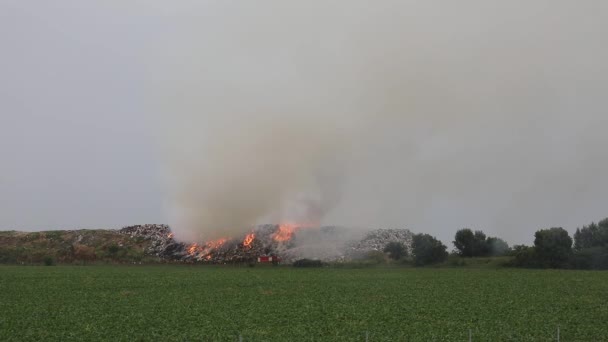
[[217, 116]]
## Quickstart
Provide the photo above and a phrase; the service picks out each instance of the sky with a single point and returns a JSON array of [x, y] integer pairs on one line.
[[208, 115]]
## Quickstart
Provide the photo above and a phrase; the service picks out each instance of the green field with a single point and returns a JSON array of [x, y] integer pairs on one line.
[[181, 303]]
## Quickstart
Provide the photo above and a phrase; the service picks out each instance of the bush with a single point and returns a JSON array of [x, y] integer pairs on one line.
[[524, 256], [428, 250], [113, 249], [8, 255], [307, 263], [456, 261], [594, 258], [49, 261]]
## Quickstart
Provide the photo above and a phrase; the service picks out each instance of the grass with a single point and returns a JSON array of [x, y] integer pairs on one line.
[[182, 303]]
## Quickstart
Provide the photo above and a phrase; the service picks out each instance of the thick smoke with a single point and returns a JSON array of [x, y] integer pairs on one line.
[[484, 114]]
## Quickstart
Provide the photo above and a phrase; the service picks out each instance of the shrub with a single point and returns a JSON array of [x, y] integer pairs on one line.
[[113, 249], [307, 263], [456, 261], [591, 258], [49, 261], [428, 250], [524, 256], [8, 255]]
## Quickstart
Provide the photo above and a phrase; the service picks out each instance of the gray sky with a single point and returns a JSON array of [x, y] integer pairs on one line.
[[75, 143], [476, 114]]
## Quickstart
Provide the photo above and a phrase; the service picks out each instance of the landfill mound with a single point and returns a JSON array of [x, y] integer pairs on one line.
[[330, 243]]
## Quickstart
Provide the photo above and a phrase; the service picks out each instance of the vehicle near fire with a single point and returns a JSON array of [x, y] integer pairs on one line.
[[269, 259]]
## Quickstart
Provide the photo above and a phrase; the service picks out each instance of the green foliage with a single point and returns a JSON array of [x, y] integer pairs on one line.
[[49, 261], [53, 235], [524, 256], [591, 258], [455, 260], [8, 255], [593, 235], [32, 236], [395, 250], [191, 303], [553, 247], [464, 241], [428, 250], [480, 245], [113, 249], [476, 244]]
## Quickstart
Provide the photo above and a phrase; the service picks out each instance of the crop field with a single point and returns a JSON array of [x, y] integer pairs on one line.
[[190, 303]]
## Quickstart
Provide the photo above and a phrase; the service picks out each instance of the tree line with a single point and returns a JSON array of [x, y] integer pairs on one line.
[[553, 248]]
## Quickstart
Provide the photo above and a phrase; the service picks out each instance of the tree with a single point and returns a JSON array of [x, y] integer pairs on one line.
[[553, 247], [396, 250], [471, 244], [586, 237], [591, 246], [593, 235], [524, 256], [428, 250], [464, 241], [497, 246], [480, 245]]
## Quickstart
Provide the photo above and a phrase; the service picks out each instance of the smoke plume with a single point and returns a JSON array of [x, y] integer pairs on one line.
[[396, 113]]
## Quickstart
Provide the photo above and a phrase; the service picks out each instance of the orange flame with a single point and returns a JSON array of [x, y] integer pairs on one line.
[[170, 236], [285, 232], [214, 244], [193, 248], [208, 248], [248, 239]]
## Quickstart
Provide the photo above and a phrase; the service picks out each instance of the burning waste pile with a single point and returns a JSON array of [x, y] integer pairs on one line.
[[288, 242]]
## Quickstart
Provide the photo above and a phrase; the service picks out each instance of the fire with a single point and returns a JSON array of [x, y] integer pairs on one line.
[[248, 239], [215, 244], [206, 249], [193, 248], [285, 232], [170, 236]]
